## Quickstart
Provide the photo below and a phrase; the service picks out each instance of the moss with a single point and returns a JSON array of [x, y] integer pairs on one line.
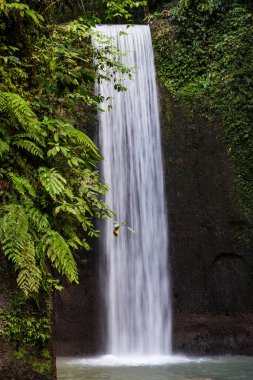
[[26, 328], [204, 58], [43, 367]]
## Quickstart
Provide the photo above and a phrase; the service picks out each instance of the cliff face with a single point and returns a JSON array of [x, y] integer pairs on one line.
[[211, 270], [78, 313]]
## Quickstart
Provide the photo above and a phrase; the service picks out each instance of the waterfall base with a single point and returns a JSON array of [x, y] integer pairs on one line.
[[135, 361], [216, 368]]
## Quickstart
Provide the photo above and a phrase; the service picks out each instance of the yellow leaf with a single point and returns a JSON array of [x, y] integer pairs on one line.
[[116, 231]]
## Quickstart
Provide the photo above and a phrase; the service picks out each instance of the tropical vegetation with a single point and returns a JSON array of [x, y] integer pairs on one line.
[[204, 57], [51, 192]]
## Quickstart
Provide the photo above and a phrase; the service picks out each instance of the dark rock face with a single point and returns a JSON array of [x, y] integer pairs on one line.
[[213, 333], [78, 314], [212, 275], [13, 369]]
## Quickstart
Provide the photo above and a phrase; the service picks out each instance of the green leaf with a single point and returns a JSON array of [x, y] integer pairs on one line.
[[58, 251], [53, 182]]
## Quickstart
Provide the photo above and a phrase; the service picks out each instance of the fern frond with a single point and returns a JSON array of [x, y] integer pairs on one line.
[[67, 129], [74, 240], [4, 147], [29, 146], [81, 138], [13, 232], [30, 136], [22, 185], [19, 113], [84, 140], [52, 181], [18, 246], [29, 277], [59, 253], [71, 209], [38, 219]]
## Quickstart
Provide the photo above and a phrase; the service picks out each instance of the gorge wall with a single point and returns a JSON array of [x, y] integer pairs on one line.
[[211, 270], [78, 313]]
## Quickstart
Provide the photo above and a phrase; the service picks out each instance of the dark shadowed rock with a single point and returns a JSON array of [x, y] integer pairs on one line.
[[212, 277], [79, 313]]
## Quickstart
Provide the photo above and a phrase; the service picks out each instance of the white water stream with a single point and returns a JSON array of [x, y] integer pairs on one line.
[[135, 274]]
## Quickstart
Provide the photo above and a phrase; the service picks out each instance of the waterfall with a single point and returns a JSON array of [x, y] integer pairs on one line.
[[135, 269]]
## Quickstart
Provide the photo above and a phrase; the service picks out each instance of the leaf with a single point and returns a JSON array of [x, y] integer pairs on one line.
[[36, 17], [52, 181], [22, 184], [18, 247], [60, 255], [30, 147], [83, 139], [116, 231], [29, 277], [4, 147]]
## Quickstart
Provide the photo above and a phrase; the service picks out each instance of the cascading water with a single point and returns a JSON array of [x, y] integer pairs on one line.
[[136, 283]]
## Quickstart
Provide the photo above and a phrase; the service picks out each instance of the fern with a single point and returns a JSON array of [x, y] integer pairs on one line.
[[20, 113], [66, 129], [52, 199], [38, 219], [22, 185], [18, 247], [29, 146], [52, 181], [20, 116], [77, 210], [13, 232], [37, 138], [74, 240], [58, 251], [4, 147], [84, 140], [29, 277]]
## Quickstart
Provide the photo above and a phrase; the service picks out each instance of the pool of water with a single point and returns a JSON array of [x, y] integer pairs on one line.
[[156, 368]]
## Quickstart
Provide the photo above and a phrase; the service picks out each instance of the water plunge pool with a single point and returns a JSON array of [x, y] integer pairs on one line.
[[156, 368]]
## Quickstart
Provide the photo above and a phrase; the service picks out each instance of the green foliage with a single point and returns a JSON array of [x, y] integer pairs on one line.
[[20, 10], [25, 330], [52, 181], [204, 56], [121, 8], [18, 246], [28, 327], [50, 190], [43, 367], [58, 251], [19, 113]]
